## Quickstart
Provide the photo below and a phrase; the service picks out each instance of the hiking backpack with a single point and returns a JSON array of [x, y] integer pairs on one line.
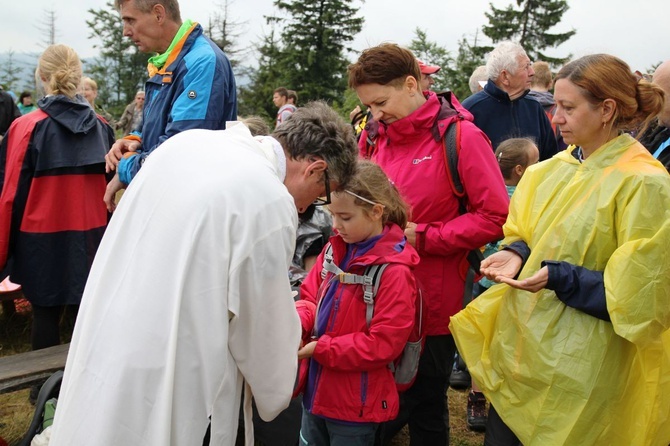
[[405, 367]]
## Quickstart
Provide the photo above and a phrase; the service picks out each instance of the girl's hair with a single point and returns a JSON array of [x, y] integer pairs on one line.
[[256, 125], [511, 153], [371, 183], [602, 76], [384, 64], [59, 68]]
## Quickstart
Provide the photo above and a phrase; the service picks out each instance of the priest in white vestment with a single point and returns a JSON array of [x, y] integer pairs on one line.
[[188, 300]]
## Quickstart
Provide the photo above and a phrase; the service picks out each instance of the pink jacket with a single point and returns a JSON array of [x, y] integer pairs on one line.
[[411, 153], [350, 378]]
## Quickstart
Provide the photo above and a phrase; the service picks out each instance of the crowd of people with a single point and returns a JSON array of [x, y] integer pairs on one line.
[[250, 275]]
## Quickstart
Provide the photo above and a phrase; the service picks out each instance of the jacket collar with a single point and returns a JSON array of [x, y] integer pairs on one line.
[[429, 117], [392, 247], [499, 94]]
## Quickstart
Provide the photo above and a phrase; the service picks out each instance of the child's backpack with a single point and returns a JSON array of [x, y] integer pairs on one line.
[[405, 366]]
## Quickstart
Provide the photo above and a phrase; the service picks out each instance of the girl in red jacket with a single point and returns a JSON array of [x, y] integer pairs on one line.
[[349, 387]]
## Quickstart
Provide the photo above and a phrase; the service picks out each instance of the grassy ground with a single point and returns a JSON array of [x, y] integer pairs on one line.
[[16, 412]]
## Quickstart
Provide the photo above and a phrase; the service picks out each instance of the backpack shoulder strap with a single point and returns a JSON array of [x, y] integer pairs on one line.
[[328, 264], [370, 288], [452, 148]]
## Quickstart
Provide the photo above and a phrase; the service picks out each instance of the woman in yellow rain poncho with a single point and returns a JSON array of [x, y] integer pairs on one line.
[[576, 351]]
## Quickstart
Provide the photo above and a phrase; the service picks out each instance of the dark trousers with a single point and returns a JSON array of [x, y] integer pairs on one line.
[[497, 432], [423, 407], [46, 324]]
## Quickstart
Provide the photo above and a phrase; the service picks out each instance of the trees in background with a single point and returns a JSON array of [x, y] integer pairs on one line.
[[11, 72], [470, 55], [433, 54], [308, 49], [530, 25], [119, 69], [225, 33], [316, 36]]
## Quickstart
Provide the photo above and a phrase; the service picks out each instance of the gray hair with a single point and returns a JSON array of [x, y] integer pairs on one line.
[[171, 7], [317, 130], [504, 57], [478, 75]]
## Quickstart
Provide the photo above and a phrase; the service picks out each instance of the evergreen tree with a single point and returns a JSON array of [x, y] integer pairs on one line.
[[225, 33], [470, 56], [433, 54], [11, 73], [256, 97], [530, 26], [47, 27], [315, 39], [120, 69]]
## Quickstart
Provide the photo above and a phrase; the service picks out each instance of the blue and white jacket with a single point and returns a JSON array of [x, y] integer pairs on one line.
[[195, 88]]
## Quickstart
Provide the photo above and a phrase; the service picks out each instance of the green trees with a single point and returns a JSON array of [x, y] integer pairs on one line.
[[11, 72], [432, 53], [120, 69], [256, 97], [226, 32], [470, 56], [530, 26], [315, 40], [306, 51]]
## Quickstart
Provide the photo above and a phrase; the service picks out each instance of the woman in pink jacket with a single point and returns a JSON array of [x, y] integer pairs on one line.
[[350, 388], [406, 140]]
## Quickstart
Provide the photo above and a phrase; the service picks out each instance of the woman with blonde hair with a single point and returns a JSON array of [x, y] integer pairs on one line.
[[52, 181], [574, 347]]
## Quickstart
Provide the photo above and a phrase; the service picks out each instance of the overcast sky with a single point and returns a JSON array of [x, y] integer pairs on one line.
[[636, 31]]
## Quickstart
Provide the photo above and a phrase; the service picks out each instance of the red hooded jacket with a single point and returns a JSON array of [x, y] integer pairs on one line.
[[411, 152], [352, 381]]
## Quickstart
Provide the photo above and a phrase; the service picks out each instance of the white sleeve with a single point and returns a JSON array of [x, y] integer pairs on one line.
[[265, 329]]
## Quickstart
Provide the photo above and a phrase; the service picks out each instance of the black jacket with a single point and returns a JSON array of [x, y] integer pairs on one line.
[[8, 112], [502, 118], [653, 138]]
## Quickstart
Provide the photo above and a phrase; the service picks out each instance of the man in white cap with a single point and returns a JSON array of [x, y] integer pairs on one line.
[[426, 74]]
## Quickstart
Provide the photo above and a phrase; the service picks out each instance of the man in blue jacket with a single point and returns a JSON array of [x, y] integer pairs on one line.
[[191, 84], [503, 110]]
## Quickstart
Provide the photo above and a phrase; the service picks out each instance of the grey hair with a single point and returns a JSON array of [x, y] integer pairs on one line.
[[317, 130], [478, 75], [504, 57]]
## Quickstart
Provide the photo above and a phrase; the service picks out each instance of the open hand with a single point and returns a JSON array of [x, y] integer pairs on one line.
[[533, 283], [502, 264]]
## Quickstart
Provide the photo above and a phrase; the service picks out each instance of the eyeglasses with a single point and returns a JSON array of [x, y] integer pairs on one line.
[[321, 201]]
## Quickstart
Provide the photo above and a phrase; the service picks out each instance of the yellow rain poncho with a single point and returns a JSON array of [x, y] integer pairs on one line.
[[556, 375]]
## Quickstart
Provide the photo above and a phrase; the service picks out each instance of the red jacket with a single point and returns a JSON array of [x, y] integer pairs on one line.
[[411, 153], [351, 380], [52, 182]]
